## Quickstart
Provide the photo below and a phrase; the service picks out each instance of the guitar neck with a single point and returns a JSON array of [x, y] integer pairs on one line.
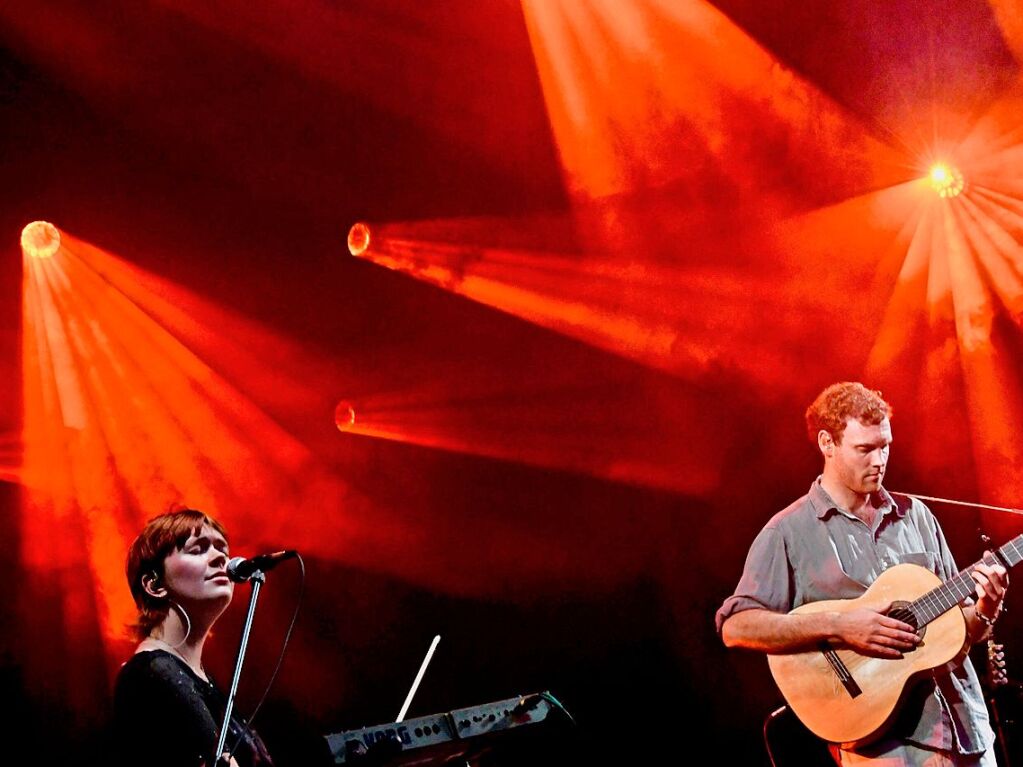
[[940, 600]]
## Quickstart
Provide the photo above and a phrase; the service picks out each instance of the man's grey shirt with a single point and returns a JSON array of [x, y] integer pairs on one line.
[[814, 550]]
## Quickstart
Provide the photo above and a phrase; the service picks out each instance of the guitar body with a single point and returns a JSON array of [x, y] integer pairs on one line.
[[857, 712]]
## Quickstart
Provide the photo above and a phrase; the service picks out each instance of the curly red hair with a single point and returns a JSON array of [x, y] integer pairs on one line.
[[841, 401]]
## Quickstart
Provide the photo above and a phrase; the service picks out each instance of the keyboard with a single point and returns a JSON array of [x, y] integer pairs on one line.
[[402, 740]]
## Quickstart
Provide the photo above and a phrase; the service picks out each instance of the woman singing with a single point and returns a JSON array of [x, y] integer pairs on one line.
[[168, 711]]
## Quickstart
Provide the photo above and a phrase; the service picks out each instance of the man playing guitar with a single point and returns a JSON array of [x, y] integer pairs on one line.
[[832, 544]]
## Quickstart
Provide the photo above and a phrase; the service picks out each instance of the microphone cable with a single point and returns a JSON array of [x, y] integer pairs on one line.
[[247, 722]]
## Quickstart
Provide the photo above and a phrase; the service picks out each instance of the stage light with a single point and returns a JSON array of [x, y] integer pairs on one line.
[[40, 239], [344, 415], [358, 239], [946, 180]]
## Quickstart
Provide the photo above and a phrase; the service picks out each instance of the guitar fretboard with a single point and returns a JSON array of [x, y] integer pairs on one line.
[[943, 598]]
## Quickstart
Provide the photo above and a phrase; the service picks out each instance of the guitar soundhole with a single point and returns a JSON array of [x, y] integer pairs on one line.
[[901, 612]]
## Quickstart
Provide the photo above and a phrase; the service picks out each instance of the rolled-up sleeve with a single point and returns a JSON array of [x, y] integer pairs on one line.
[[766, 582]]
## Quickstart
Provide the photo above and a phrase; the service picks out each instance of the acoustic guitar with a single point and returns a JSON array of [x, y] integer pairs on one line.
[[848, 698]]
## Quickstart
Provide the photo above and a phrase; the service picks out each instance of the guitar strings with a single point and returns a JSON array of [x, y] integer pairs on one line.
[[935, 601], [932, 600]]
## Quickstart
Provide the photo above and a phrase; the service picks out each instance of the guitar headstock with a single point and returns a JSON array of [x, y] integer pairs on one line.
[[996, 666]]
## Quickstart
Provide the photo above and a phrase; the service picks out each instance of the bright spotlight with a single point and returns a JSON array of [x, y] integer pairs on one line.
[[946, 180], [40, 239], [344, 415], [358, 239]]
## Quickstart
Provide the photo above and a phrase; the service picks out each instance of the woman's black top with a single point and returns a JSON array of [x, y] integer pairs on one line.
[[167, 716]]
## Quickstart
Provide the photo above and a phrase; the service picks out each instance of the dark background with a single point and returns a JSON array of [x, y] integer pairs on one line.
[[232, 163]]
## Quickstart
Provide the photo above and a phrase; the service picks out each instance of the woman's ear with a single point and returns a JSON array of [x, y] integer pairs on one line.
[[152, 585]]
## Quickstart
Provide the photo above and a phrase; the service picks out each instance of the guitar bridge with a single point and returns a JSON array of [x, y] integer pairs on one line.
[[841, 670]]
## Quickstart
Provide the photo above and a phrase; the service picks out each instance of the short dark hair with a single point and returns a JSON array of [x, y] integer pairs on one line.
[[841, 401], [147, 553]]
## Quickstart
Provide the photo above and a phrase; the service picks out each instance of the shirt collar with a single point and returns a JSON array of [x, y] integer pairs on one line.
[[824, 505]]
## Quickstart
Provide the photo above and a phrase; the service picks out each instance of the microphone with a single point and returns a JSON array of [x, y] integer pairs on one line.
[[240, 569]]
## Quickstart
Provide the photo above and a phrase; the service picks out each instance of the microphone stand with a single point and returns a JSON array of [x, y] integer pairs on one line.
[[258, 578]]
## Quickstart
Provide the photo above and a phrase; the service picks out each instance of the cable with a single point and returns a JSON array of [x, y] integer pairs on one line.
[[767, 723], [549, 697], [960, 503], [246, 724]]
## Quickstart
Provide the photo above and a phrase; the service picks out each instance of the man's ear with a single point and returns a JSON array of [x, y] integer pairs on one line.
[[825, 443]]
